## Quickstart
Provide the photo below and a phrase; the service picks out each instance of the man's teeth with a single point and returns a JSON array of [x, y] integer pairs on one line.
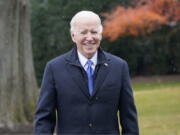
[[89, 44]]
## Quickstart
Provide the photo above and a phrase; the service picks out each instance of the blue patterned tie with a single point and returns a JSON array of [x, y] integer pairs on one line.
[[89, 72]]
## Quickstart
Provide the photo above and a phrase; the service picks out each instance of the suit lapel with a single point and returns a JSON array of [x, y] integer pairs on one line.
[[78, 78], [103, 68], [77, 72], [101, 76]]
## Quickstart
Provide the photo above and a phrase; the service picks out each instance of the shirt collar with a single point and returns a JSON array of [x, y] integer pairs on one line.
[[83, 59]]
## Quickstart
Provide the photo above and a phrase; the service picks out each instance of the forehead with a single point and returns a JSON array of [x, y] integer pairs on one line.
[[87, 22]]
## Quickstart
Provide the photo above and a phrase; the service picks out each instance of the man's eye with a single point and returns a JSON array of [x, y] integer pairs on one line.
[[94, 32], [83, 32]]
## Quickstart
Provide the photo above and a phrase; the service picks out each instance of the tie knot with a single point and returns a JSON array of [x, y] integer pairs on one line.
[[89, 63]]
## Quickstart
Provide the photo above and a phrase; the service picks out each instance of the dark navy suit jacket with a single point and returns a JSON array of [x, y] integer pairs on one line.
[[65, 103]]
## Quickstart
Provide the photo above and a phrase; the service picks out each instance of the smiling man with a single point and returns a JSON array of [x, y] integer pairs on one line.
[[86, 32], [87, 87]]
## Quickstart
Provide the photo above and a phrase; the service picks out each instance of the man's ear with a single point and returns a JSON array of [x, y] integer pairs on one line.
[[72, 37]]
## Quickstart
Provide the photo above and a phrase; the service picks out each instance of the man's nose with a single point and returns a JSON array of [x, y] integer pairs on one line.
[[89, 37]]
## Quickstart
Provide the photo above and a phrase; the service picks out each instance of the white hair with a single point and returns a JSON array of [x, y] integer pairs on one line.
[[84, 14]]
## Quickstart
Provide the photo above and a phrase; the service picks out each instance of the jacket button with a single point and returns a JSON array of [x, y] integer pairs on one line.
[[90, 103], [90, 125]]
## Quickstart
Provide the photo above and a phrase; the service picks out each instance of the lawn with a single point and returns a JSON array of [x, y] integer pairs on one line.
[[158, 108], [155, 85]]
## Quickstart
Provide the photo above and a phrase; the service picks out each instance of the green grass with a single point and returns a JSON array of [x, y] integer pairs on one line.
[[159, 109], [155, 85]]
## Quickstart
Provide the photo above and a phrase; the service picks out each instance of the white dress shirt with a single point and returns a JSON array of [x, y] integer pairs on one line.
[[83, 60]]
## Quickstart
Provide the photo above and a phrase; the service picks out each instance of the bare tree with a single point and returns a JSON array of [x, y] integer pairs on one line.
[[18, 86]]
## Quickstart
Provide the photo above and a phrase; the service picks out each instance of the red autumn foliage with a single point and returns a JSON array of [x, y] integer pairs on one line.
[[143, 17]]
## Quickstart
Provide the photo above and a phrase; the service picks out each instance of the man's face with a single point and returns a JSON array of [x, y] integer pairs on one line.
[[87, 36]]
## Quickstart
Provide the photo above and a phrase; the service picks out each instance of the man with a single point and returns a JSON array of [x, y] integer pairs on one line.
[[84, 90]]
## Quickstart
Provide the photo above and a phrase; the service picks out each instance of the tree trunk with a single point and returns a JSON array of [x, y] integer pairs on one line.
[[18, 86]]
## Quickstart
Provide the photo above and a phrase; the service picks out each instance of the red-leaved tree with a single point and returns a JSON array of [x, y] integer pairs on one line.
[[145, 16]]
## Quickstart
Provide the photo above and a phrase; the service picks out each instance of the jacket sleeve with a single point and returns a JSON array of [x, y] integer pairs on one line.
[[45, 116], [127, 109]]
